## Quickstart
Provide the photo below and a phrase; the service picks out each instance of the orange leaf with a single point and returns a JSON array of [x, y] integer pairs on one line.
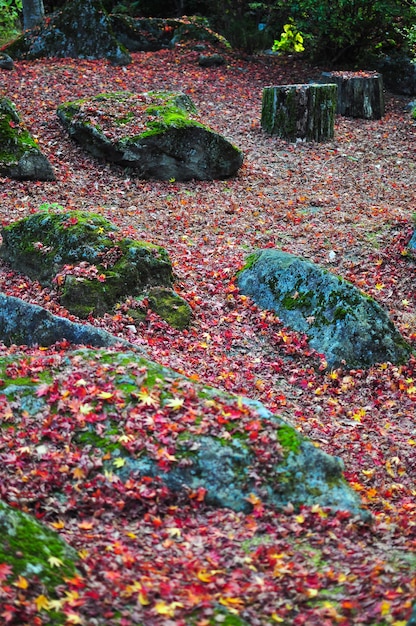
[[21, 582]]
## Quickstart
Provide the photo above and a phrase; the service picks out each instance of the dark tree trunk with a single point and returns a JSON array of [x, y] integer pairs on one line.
[[360, 94], [299, 111], [33, 13]]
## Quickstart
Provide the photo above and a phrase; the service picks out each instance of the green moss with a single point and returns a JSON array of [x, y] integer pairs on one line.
[[289, 438], [297, 300], [31, 550], [15, 140], [171, 307], [250, 260]]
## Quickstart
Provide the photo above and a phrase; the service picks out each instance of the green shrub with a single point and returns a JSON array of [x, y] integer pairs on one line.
[[345, 31], [291, 40], [9, 19]]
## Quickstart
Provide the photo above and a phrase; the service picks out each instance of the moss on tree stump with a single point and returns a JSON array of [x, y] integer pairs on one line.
[[304, 112]]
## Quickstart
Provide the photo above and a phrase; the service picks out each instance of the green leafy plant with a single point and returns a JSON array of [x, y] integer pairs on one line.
[[9, 19], [291, 40], [345, 32]]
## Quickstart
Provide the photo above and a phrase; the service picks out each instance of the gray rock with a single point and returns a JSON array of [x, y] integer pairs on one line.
[[157, 134], [399, 73], [412, 244], [81, 29], [156, 33], [211, 60], [343, 323], [32, 165], [412, 620], [6, 62], [22, 323]]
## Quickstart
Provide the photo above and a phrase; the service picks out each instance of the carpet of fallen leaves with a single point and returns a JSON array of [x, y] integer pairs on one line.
[[347, 205]]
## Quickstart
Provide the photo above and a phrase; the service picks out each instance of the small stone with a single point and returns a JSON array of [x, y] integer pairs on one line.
[[211, 60], [6, 62]]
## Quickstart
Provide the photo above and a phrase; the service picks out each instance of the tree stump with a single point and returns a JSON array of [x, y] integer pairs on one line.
[[360, 94], [304, 112]]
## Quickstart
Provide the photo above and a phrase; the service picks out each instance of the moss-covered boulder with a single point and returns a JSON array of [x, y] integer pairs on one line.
[[157, 134], [85, 256], [34, 557], [342, 322], [155, 33], [139, 419], [20, 156], [81, 29]]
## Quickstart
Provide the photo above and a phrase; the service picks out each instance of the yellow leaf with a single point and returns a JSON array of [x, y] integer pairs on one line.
[[385, 608], [85, 409], [58, 525], [125, 438], [71, 596], [380, 286], [105, 395], [175, 403], [389, 469], [83, 554], [56, 605], [21, 582], [42, 602], [144, 601], [370, 472], [119, 462], [204, 576], [312, 593], [147, 398], [276, 618], [411, 442], [231, 601], [167, 609], [55, 562], [73, 618], [300, 519]]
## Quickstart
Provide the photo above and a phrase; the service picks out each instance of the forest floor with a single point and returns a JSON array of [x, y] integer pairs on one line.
[[346, 204]]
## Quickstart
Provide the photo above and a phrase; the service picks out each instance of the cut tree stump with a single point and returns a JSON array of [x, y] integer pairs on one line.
[[360, 94], [305, 112]]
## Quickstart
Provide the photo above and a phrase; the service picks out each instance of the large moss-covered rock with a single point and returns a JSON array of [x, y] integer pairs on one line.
[[36, 555], [85, 256], [153, 422], [20, 156], [157, 134], [343, 323], [81, 29]]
